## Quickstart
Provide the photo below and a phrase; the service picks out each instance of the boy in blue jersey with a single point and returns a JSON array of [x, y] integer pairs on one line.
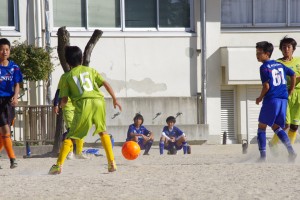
[[138, 133], [10, 79], [274, 94], [173, 137]]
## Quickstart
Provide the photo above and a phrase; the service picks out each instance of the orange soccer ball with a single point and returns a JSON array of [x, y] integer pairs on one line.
[[131, 150]]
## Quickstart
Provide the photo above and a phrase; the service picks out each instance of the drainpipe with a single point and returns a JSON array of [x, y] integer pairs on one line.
[[203, 60], [38, 26], [48, 45]]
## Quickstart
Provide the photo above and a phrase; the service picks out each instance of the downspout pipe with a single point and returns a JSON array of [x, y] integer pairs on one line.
[[39, 44], [203, 60]]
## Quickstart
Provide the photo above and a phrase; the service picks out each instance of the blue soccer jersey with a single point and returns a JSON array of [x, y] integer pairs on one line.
[[133, 129], [275, 73], [175, 132], [9, 76]]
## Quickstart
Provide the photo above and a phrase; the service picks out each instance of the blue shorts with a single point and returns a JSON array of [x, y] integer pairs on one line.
[[273, 111]]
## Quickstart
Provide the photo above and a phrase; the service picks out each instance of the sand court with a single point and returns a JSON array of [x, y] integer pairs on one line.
[[210, 172]]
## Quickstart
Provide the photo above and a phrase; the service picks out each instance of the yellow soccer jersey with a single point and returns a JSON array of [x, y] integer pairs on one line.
[[82, 82], [62, 80], [294, 64]]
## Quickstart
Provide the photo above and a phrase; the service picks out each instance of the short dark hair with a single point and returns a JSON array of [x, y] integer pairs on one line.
[[287, 40], [138, 116], [267, 47], [4, 41], [73, 55], [171, 119]]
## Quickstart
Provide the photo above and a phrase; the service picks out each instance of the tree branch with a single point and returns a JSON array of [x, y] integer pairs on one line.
[[90, 46], [63, 41]]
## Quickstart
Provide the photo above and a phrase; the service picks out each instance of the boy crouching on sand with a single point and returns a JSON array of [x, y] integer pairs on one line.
[[173, 139]]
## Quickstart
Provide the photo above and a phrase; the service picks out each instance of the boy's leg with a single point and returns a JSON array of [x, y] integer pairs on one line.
[[106, 143], [261, 141], [285, 140], [65, 149], [292, 136], [79, 148], [7, 143], [274, 141], [161, 146], [148, 147]]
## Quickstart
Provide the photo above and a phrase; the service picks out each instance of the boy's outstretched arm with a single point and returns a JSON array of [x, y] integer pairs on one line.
[[14, 99], [112, 94]]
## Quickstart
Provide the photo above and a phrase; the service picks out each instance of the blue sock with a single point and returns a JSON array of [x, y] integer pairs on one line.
[[184, 147], [285, 140], [161, 148], [148, 146], [261, 140]]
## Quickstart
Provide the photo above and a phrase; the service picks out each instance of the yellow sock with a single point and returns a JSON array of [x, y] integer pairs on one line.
[[292, 135], [106, 143], [79, 146], [65, 149], [274, 140]]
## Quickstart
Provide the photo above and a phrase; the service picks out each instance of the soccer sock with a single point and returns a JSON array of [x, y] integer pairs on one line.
[[285, 140], [1, 143], [7, 143], [161, 147], [106, 143], [64, 151], [148, 146], [274, 140], [292, 136], [79, 146], [184, 147], [261, 141]]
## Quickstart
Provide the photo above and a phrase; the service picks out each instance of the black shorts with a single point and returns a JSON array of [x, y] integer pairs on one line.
[[7, 111]]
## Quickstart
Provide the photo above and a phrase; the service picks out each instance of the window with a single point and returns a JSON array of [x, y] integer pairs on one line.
[[260, 13], [7, 13], [123, 14]]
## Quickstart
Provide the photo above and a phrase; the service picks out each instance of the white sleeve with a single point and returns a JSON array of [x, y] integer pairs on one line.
[[164, 134]]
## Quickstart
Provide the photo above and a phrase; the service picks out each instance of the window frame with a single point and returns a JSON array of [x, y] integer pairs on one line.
[[16, 26], [286, 24], [122, 27]]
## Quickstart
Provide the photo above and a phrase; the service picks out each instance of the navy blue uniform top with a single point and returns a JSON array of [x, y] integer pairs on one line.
[[175, 132], [133, 129], [9, 76], [275, 73]]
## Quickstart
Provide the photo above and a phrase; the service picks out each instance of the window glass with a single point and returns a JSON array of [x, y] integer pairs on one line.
[[236, 11], [270, 11], [295, 14], [174, 13], [140, 13], [69, 13], [7, 13], [104, 13]]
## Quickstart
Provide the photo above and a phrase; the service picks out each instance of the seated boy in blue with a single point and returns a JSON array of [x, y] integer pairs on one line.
[[173, 137], [138, 133]]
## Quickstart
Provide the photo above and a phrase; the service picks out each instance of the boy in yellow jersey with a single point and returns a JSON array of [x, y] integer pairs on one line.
[[68, 114], [287, 47], [82, 86]]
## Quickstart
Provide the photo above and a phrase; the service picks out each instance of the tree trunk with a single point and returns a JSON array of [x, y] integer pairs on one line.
[[63, 41], [90, 46]]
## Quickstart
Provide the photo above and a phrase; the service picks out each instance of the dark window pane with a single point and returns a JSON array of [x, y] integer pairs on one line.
[[174, 13], [236, 11], [7, 13], [140, 13]]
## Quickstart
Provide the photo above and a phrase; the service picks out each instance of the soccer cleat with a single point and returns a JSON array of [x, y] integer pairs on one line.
[[81, 156], [70, 155], [189, 150], [112, 166], [55, 169], [262, 160], [13, 163]]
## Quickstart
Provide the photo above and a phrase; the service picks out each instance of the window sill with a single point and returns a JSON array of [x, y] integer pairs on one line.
[[7, 33], [141, 34]]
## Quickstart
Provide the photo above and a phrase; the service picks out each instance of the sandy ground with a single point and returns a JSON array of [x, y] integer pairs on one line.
[[210, 172]]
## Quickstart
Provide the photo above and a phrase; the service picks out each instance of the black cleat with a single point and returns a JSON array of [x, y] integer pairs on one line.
[[13, 163]]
